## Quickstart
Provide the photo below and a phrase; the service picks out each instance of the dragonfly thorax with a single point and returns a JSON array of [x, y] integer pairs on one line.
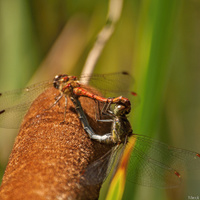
[[121, 129], [65, 83]]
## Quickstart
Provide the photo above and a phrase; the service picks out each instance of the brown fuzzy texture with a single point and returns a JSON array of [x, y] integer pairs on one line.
[[48, 157]]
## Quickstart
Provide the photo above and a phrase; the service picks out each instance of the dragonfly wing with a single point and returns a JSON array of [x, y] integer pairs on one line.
[[11, 117], [148, 172], [98, 170], [156, 164], [113, 84], [14, 104]]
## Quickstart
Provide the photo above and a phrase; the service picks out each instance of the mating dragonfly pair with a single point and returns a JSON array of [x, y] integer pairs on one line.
[[155, 164]]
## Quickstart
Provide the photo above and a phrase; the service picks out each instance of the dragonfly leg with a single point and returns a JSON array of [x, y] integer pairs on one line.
[[65, 110], [56, 101], [107, 138], [104, 111]]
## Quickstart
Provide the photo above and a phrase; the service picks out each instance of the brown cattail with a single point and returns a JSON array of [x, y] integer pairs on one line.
[[48, 157]]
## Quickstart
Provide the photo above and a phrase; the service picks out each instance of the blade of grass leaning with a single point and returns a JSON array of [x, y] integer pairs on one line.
[[118, 182]]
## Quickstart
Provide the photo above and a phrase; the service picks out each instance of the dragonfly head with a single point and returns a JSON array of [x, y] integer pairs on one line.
[[121, 110], [59, 79]]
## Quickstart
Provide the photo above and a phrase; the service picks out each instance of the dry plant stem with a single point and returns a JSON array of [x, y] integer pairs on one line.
[[48, 157], [114, 13]]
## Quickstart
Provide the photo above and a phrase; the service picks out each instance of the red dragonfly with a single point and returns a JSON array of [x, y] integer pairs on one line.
[[14, 104]]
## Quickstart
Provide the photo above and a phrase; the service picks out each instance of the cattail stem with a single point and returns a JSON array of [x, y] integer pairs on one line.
[[48, 157]]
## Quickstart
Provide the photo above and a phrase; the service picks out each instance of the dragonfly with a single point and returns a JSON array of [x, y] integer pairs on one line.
[[155, 160], [14, 104], [152, 163]]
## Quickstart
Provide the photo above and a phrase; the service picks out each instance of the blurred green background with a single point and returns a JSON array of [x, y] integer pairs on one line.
[[158, 42]]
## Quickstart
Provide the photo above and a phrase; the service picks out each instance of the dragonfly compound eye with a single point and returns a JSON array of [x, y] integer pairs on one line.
[[119, 109], [58, 79]]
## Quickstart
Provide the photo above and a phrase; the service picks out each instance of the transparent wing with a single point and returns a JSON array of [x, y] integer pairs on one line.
[[152, 163], [14, 104], [156, 164], [98, 170], [114, 85]]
